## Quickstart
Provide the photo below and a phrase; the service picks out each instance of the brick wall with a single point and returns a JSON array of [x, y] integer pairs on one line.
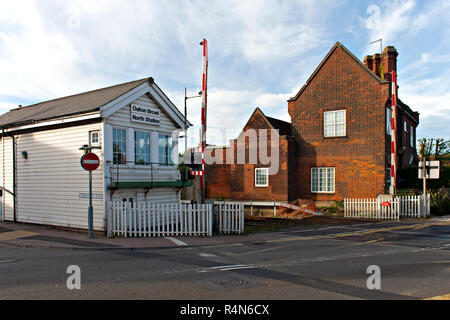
[[359, 157]]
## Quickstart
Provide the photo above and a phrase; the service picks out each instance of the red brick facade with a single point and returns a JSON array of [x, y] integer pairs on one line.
[[237, 181], [360, 158]]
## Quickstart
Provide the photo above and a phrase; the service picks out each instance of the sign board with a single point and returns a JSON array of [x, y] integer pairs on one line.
[[146, 115], [432, 169], [386, 204], [90, 161], [86, 196]]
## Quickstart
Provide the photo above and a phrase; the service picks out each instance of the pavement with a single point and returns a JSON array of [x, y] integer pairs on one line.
[[36, 236]]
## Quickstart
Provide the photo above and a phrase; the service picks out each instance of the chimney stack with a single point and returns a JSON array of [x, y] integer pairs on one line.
[[376, 63], [389, 61], [368, 62]]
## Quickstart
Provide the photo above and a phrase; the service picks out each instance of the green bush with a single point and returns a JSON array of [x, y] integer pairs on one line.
[[336, 207], [439, 202]]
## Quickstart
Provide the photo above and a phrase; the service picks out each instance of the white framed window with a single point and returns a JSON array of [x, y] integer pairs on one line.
[[334, 123], [322, 180], [119, 146], [141, 148], [405, 126], [94, 138], [411, 136], [388, 121], [165, 150], [262, 177]]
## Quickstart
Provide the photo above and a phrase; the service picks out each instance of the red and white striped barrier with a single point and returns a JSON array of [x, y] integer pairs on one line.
[[394, 134]]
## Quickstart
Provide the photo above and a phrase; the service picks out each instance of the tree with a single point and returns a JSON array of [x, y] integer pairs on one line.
[[436, 148]]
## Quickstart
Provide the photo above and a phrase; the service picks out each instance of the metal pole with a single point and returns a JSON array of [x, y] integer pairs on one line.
[[90, 209]]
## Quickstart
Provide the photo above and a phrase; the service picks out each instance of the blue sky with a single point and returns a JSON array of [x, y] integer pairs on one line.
[[260, 52]]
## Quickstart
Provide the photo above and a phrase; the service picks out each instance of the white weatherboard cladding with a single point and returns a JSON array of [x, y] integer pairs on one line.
[[157, 195], [131, 172], [122, 117], [50, 180], [6, 177]]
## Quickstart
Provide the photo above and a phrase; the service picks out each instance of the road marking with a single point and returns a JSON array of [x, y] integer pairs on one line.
[[11, 235], [8, 261], [176, 241], [206, 255], [229, 268], [374, 241], [443, 297]]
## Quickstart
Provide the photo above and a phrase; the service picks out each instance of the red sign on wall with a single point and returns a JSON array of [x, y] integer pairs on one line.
[[90, 161], [386, 204]]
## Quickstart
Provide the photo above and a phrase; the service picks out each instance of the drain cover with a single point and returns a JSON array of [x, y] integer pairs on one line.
[[230, 282]]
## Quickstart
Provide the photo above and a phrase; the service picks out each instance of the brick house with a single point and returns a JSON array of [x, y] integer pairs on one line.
[[254, 181], [339, 140]]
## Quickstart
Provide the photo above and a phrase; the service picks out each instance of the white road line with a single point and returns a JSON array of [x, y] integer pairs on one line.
[[239, 268], [176, 241], [229, 268], [206, 255]]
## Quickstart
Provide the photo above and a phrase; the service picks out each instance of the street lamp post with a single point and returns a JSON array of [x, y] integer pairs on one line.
[[186, 127]]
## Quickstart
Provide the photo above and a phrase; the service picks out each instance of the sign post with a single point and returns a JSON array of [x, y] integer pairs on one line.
[[90, 162]]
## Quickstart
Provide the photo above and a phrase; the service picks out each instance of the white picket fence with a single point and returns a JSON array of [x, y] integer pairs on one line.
[[229, 217], [399, 207], [414, 206], [371, 209], [147, 219]]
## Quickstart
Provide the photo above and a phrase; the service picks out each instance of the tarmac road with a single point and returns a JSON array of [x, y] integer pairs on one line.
[[300, 262]]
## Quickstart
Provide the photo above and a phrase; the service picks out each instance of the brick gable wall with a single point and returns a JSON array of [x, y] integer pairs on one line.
[[359, 158], [237, 181]]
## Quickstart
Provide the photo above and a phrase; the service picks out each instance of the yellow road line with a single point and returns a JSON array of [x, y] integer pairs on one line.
[[11, 235], [443, 297], [373, 241]]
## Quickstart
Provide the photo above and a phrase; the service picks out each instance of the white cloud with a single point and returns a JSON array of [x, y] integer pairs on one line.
[[387, 21], [261, 52]]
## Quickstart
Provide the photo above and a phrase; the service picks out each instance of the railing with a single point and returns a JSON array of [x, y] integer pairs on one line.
[[229, 217], [116, 168], [391, 209], [147, 219]]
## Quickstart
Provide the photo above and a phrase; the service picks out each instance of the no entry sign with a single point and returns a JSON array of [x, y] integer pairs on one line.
[[90, 161]]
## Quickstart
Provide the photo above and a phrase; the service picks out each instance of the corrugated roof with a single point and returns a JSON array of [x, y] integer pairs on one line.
[[76, 104]]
